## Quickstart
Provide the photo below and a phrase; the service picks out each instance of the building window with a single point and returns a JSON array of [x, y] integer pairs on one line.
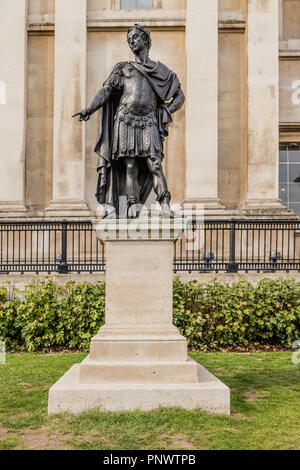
[[289, 176], [136, 4]]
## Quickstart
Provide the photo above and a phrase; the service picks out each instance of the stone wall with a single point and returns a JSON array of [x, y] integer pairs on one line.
[[290, 68], [291, 19], [15, 283], [237, 173], [39, 142], [41, 7], [232, 125]]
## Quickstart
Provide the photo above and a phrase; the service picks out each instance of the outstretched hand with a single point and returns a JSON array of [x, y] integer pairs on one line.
[[84, 115]]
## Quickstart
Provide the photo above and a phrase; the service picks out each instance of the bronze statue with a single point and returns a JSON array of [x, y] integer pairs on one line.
[[134, 122]]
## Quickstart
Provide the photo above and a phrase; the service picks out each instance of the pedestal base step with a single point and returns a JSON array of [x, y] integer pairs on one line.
[[143, 350], [92, 372], [69, 395]]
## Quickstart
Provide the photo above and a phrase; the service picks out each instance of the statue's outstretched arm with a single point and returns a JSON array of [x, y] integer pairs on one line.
[[99, 100], [177, 101]]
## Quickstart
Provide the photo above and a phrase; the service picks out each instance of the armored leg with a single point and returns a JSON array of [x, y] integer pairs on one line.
[[132, 187], [160, 186]]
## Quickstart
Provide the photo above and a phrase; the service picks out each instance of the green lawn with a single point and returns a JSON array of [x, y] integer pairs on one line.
[[264, 396]]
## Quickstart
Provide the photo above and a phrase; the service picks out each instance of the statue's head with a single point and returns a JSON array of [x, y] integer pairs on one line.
[[138, 38]]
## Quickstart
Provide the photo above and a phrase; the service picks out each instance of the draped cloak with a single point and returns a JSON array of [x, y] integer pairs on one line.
[[112, 173]]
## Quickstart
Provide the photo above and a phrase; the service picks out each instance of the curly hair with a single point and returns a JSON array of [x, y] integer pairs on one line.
[[145, 34]]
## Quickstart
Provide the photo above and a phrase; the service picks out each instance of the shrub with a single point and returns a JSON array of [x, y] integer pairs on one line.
[[210, 316], [53, 316], [3, 294], [216, 316]]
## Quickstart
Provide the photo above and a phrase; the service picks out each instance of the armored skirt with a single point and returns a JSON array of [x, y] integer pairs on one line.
[[136, 135]]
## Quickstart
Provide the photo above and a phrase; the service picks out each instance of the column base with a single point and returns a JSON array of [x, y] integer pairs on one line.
[[197, 208], [68, 209], [267, 209], [13, 210]]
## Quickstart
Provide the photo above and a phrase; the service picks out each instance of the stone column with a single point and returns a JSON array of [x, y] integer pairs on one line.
[[69, 97], [280, 19], [263, 110], [13, 38], [202, 104]]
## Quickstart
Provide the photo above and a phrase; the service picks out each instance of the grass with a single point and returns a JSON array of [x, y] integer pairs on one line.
[[264, 397]]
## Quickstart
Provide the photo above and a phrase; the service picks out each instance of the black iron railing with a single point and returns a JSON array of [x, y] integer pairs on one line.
[[239, 245], [210, 246], [50, 247]]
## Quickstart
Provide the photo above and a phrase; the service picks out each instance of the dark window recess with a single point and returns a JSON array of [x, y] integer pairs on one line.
[[136, 4], [289, 176]]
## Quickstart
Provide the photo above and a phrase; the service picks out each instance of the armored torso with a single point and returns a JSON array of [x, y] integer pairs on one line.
[[136, 131], [138, 95]]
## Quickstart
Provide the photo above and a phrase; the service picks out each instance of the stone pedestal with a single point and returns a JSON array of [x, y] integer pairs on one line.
[[138, 360]]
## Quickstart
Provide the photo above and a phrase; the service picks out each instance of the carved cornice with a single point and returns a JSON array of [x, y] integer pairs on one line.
[[41, 24], [289, 132], [100, 19], [232, 22], [232, 27], [289, 50], [289, 128], [229, 22]]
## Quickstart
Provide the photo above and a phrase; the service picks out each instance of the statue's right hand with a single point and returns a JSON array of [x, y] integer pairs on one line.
[[84, 115]]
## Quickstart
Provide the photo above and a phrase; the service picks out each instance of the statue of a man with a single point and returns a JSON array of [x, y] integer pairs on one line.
[[134, 122]]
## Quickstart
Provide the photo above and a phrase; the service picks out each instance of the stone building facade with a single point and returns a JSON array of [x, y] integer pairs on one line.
[[239, 65]]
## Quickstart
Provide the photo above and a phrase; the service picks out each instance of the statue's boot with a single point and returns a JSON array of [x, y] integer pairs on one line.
[[134, 208], [109, 212], [164, 201]]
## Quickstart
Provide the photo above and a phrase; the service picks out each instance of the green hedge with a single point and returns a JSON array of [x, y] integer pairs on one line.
[[211, 316], [3, 294], [216, 316], [50, 315]]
